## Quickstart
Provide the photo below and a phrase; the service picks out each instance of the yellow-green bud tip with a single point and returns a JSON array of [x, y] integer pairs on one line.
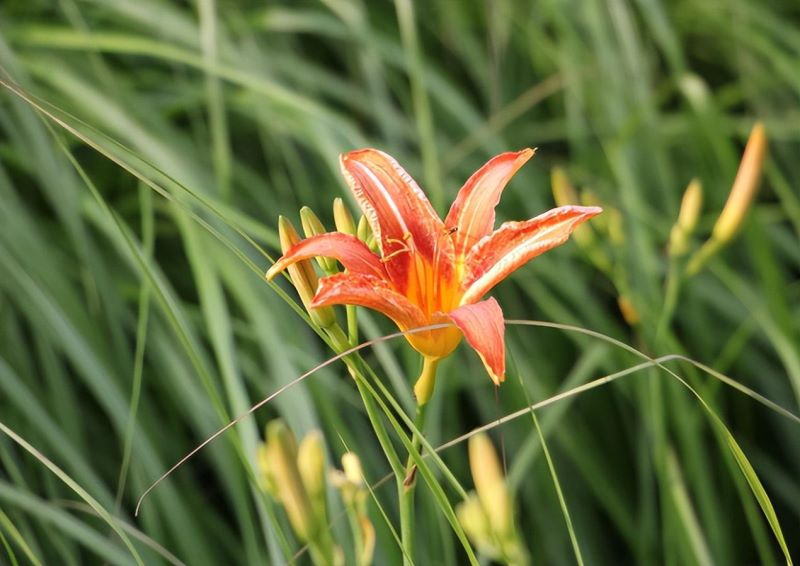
[[342, 218], [744, 186], [281, 454], [563, 192], [302, 274], [490, 484], [313, 226], [691, 205], [311, 463], [352, 468]]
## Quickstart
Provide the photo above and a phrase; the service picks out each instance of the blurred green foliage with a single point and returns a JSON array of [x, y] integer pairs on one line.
[[169, 136]]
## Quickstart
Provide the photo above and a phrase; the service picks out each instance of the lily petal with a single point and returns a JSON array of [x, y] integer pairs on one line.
[[471, 216], [371, 292], [404, 223], [515, 243], [354, 254], [484, 328]]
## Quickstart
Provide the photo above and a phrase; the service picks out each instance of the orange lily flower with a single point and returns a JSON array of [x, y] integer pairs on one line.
[[430, 271]]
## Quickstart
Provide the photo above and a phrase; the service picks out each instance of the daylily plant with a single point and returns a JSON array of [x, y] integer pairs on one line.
[[431, 271]]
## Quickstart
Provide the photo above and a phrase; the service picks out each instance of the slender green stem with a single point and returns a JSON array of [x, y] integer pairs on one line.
[[701, 256], [405, 490], [352, 324], [340, 344], [671, 294]]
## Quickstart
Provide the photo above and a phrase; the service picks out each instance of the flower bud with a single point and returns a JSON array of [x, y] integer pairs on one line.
[[281, 448], [490, 484], [365, 234], [616, 226], [691, 204], [563, 192], [474, 522], [350, 484], [739, 200], [342, 218], [629, 312], [352, 468], [744, 186], [609, 222], [695, 90], [313, 226], [303, 276], [311, 464], [266, 480]]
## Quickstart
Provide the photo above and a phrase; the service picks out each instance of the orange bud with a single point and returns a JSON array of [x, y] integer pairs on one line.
[[744, 186], [629, 312]]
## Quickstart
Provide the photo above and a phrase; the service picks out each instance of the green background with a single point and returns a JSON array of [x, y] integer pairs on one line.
[[193, 125]]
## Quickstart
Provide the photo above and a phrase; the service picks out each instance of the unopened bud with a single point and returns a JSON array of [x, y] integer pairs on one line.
[[739, 200], [609, 222], [629, 312], [691, 204], [352, 468], [490, 484], [615, 226], [282, 456], [563, 192], [695, 90], [342, 218], [266, 480], [303, 276], [365, 234], [311, 463], [313, 226], [474, 522], [744, 186]]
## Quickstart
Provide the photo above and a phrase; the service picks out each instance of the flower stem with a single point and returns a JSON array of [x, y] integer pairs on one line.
[[672, 291], [340, 344], [405, 485]]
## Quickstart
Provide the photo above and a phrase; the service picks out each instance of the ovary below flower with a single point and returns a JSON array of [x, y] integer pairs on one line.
[[431, 271]]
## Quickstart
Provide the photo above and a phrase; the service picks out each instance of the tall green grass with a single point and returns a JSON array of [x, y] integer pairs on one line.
[[147, 148]]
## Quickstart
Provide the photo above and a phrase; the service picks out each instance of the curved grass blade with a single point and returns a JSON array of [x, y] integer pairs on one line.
[[79, 491], [16, 536]]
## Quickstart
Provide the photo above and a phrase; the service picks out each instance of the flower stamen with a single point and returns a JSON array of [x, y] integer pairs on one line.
[[405, 248]]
